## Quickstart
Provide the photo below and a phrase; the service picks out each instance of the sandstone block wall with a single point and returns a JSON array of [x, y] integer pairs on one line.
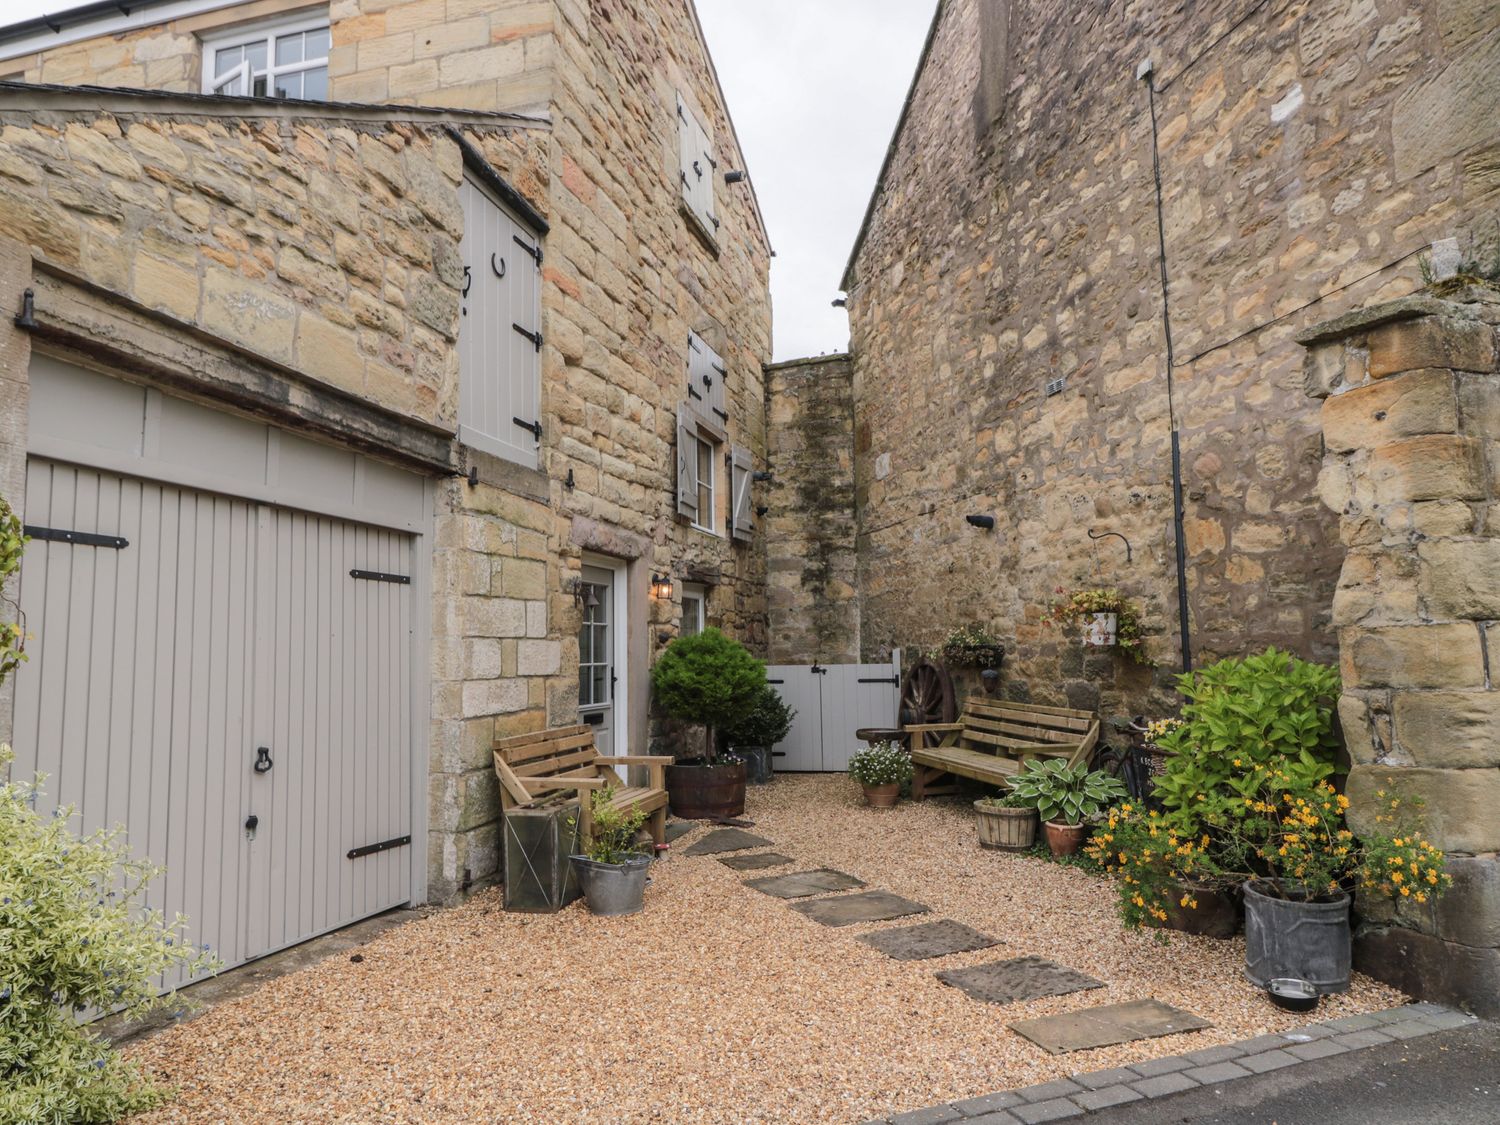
[[1410, 394], [811, 561], [1302, 176]]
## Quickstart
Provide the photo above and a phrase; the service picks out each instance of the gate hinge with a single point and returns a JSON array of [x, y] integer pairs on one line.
[[383, 846], [77, 538], [534, 337]]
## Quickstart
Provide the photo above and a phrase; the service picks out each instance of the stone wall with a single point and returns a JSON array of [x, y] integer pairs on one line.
[[1410, 415], [811, 563], [1019, 248]]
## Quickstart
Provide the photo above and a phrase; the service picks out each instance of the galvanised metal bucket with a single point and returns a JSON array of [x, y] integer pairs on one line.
[[1306, 940], [613, 888]]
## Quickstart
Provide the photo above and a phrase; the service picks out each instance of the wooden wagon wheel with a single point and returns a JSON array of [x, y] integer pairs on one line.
[[927, 697]]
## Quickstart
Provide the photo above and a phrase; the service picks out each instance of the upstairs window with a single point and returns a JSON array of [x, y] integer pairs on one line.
[[695, 149], [499, 329], [280, 60]]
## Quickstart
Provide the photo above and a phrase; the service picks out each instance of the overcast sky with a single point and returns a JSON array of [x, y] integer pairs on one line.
[[814, 87]]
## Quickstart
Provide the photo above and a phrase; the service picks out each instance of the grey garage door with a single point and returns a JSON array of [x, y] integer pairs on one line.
[[231, 680]]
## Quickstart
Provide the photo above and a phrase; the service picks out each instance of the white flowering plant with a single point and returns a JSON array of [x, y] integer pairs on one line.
[[880, 763]]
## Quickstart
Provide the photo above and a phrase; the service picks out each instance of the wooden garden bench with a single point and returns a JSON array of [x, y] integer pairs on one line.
[[991, 741], [561, 765]]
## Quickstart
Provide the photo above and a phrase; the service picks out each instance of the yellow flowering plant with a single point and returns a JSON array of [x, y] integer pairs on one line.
[[1157, 857]]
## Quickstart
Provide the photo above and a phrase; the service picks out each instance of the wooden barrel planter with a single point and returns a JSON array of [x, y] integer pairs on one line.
[[699, 791], [1011, 830]]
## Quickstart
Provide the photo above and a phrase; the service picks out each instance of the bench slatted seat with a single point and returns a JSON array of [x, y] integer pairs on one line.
[[561, 765], [993, 739]]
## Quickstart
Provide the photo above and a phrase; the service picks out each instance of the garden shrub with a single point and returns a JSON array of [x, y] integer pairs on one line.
[[708, 679], [769, 721]]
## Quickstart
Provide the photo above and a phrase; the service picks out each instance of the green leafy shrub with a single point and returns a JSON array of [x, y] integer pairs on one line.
[[614, 829], [708, 679], [1065, 794], [880, 763], [1007, 800], [12, 542], [73, 937], [768, 722], [1247, 713]]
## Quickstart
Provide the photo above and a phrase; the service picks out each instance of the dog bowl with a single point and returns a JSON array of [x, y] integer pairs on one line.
[[1292, 994]]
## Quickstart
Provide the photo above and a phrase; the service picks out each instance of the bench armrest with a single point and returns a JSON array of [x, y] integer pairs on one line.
[[932, 726], [564, 782], [638, 759]]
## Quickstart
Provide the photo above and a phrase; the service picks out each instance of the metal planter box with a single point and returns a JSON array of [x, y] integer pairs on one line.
[[538, 877]]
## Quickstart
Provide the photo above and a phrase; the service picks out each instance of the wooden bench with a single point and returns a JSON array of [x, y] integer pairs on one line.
[[561, 764], [991, 741]]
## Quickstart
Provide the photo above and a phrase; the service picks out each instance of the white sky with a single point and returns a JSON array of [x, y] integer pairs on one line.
[[814, 87]]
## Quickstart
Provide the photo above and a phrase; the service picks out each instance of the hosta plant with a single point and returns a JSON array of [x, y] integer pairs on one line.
[[73, 937], [1064, 794], [880, 763]]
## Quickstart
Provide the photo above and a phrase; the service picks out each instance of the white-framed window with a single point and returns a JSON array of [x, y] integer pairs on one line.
[[697, 167], [499, 329], [707, 453], [699, 447], [285, 59], [694, 609]]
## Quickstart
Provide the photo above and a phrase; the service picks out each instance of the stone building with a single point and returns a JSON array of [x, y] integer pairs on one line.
[[371, 366], [1005, 298]]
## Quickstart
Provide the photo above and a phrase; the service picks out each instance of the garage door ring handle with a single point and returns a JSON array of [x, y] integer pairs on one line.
[[263, 761]]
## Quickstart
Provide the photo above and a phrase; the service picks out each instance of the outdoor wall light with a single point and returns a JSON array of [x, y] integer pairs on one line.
[[661, 586], [986, 522], [762, 475], [735, 177]]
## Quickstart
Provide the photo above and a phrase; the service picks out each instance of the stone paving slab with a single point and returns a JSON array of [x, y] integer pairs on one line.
[[1107, 1025], [1021, 978], [928, 939], [802, 884], [755, 861], [676, 829], [727, 840], [848, 910], [1085, 1094]]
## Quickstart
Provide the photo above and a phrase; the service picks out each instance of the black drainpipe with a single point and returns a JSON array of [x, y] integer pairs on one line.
[[1147, 71]]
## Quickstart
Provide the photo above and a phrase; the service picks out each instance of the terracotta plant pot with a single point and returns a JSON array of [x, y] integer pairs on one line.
[[1065, 839], [698, 791], [882, 796], [1011, 830]]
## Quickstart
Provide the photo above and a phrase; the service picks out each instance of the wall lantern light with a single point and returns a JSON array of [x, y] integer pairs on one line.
[[583, 593], [985, 522], [661, 586]]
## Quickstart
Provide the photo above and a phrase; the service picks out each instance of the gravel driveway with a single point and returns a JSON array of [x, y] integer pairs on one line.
[[718, 1004]]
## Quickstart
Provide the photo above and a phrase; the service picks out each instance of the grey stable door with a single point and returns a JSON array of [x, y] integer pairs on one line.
[[199, 629], [832, 702]]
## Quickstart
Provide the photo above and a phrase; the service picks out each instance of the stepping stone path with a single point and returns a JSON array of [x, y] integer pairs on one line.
[[1107, 1025], [801, 884], [755, 861], [1023, 978], [727, 840], [848, 910], [928, 939], [677, 829]]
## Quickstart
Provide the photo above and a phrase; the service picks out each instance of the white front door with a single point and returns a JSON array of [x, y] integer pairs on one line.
[[601, 657]]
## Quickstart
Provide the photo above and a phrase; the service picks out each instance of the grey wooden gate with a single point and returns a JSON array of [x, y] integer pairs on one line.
[[184, 632], [832, 702]]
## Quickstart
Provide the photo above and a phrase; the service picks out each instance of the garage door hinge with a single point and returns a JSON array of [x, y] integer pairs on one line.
[[77, 538], [383, 846], [378, 576]]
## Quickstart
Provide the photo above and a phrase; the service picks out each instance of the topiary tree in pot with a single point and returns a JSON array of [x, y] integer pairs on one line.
[[754, 736], [710, 680]]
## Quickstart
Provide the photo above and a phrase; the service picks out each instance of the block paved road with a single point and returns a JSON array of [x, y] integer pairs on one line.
[[1447, 1078]]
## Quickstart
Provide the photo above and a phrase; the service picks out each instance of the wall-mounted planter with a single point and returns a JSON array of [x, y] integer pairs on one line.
[[1101, 629]]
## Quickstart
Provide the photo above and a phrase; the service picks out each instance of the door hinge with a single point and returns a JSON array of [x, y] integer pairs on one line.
[[534, 337], [380, 576], [383, 846], [534, 427], [77, 538], [534, 251], [879, 680]]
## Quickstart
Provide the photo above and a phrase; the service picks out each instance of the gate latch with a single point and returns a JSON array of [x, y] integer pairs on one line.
[[263, 761], [252, 822]]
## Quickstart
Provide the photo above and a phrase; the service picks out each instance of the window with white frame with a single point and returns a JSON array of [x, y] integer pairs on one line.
[[286, 59], [694, 609], [699, 446]]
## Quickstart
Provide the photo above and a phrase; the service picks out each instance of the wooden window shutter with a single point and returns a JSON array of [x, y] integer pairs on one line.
[[706, 377], [742, 522], [687, 464], [696, 165]]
